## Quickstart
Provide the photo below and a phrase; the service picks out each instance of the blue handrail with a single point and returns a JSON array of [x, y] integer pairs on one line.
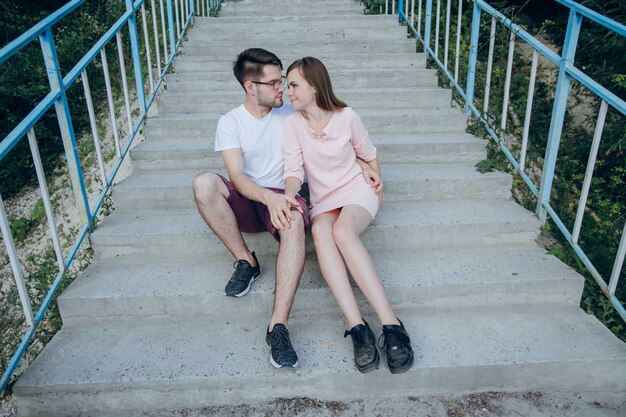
[[59, 84], [567, 73]]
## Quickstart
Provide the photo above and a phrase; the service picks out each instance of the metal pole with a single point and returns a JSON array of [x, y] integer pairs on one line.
[[473, 57], [136, 55], [558, 112], [65, 125]]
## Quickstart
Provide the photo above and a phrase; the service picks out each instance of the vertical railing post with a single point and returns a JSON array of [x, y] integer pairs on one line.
[[427, 24], [134, 47], [473, 58], [171, 28], [558, 112], [400, 10], [64, 118]]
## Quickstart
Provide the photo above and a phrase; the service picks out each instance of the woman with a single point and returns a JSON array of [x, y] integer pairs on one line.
[[324, 138]]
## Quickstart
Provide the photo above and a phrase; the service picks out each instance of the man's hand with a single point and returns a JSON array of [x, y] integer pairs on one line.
[[279, 207]]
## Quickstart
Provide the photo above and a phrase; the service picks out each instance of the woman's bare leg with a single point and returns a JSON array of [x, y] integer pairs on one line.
[[333, 267], [347, 229]]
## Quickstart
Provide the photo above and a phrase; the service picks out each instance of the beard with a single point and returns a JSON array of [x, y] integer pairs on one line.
[[273, 101]]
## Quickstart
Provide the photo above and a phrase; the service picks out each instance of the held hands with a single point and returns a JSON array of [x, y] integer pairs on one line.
[[279, 207]]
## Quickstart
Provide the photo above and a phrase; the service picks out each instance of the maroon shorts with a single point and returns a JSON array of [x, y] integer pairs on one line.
[[254, 217]]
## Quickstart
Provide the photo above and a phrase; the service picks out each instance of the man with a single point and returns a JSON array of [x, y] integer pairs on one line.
[[250, 138]]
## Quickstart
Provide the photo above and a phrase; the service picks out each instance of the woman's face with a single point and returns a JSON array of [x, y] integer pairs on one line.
[[300, 92]]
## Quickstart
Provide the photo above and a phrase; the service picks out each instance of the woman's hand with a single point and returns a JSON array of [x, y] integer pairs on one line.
[[372, 178]]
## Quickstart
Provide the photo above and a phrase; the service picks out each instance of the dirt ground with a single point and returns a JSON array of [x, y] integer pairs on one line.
[[487, 404]]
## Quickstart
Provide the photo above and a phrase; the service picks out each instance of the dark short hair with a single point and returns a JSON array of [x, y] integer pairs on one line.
[[316, 74], [250, 63]]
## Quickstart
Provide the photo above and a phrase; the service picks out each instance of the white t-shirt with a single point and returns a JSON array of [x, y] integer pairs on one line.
[[260, 141]]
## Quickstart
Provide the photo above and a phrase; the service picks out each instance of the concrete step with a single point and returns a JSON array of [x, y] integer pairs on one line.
[[136, 288], [181, 233], [375, 121], [407, 182], [357, 98], [198, 153], [304, 47], [109, 368], [333, 62], [321, 20], [345, 78], [311, 9], [298, 31]]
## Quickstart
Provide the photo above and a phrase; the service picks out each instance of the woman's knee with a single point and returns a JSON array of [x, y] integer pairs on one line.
[[343, 234], [321, 231]]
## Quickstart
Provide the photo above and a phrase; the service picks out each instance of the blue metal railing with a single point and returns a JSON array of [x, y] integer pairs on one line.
[[567, 72], [170, 20]]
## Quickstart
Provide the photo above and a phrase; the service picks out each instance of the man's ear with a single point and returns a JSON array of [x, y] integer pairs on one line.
[[248, 86]]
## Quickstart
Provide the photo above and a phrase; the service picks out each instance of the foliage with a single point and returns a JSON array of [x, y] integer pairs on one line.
[[19, 94], [600, 54]]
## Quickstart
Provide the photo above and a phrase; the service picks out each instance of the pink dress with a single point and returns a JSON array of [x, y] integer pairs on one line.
[[329, 160]]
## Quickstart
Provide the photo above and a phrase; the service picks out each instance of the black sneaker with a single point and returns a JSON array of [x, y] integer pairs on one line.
[[244, 275], [282, 354], [397, 346], [366, 356]]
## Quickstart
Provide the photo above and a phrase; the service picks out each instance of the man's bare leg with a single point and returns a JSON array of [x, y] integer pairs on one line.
[[289, 267], [210, 194]]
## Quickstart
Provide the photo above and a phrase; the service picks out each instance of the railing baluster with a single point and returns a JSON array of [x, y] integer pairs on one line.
[[437, 19], [492, 37], [591, 163], [15, 265], [164, 30], [473, 58], [559, 107], [419, 17], [507, 81], [107, 83], [529, 110], [406, 9], [66, 127], [155, 32], [458, 41], [428, 24], [171, 29], [447, 36], [387, 7], [176, 18], [94, 126], [146, 40], [45, 197], [413, 13], [120, 56], [136, 56], [619, 262]]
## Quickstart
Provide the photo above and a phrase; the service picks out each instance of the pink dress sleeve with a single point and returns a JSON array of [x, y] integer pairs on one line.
[[361, 142], [294, 165]]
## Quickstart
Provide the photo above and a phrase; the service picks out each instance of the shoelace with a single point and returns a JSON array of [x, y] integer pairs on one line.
[[239, 272], [359, 336], [394, 340], [280, 339]]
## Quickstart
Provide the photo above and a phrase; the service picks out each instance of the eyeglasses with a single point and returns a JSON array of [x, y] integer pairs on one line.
[[275, 84]]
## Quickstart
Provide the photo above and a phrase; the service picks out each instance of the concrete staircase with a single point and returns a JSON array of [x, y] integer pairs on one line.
[[146, 326]]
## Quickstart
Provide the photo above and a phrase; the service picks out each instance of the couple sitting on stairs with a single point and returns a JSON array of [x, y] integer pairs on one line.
[[267, 148]]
